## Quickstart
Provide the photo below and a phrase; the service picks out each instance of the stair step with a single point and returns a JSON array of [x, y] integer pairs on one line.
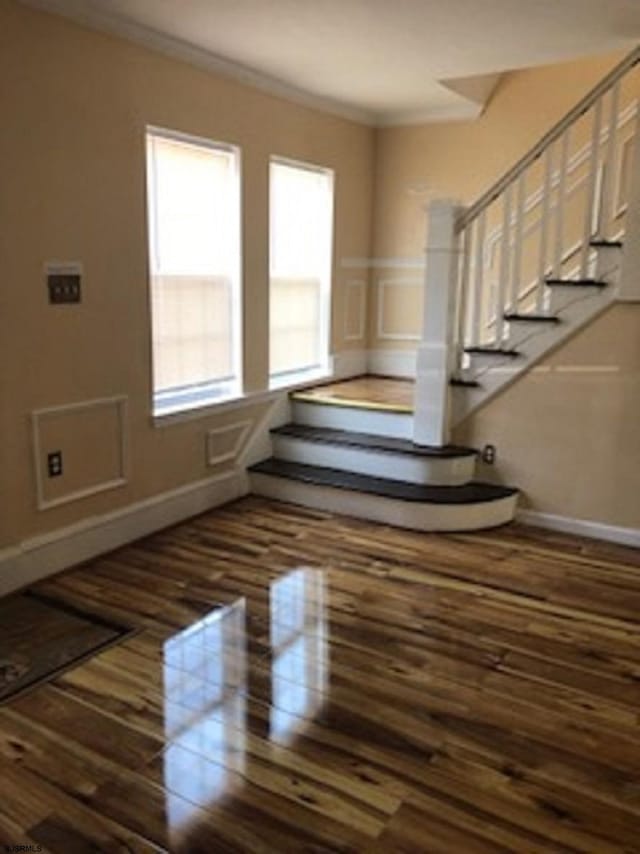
[[606, 244], [576, 283], [491, 351], [458, 382], [532, 318], [359, 419], [330, 436], [313, 397], [470, 493]]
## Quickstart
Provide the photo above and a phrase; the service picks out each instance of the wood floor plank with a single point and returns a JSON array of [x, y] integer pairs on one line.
[[407, 692]]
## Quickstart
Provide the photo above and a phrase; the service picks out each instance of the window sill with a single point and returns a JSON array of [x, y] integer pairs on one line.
[[206, 409], [295, 379]]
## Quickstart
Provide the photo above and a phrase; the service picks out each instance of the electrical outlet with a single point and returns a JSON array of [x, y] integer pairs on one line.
[[489, 454], [54, 463]]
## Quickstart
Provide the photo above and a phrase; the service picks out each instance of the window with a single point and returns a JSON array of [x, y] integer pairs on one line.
[[194, 253], [301, 234]]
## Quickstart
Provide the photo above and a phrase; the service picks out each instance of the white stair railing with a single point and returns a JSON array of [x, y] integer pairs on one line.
[[535, 225], [538, 222]]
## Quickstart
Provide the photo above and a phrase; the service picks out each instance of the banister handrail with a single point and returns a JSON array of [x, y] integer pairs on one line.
[[550, 137]]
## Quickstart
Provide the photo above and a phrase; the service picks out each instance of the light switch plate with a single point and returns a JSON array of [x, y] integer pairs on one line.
[[64, 281]]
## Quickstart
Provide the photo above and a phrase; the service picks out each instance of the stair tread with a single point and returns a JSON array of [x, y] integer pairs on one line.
[[491, 351], [577, 283], [606, 244], [331, 436], [461, 383], [533, 318], [470, 493]]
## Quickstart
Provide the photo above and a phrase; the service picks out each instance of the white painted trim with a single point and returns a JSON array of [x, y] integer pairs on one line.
[[392, 263], [44, 555], [349, 363], [392, 363], [252, 398], [582, 527], [101, 20], [381, 332], [242, 427], [464, 111], [259, 446], [415, 515], [361, 285], [358, 419], [576, 160], [376, 462], [119, 401]]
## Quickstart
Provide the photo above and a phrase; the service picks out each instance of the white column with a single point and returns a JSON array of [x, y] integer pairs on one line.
[[436, 351], [629, 290]]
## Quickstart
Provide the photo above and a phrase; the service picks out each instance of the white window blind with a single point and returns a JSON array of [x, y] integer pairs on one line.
[[194, 233], [301, 234]]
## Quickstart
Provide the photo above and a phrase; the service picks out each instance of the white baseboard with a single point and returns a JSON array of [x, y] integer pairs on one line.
[[582, 527], [45, 555], [349, 363], [392, 363]]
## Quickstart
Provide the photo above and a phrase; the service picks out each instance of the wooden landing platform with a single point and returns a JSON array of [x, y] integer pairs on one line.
[[385, 394]]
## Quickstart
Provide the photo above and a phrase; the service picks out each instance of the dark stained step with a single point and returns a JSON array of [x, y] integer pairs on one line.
[[531, 318], [576, 283], [606, 244], [469, 493], [491, 351], [458, 382], [329, 436]]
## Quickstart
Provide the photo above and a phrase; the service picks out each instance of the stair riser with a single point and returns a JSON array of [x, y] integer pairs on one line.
[[447, 471], [371, 421], [416, 516]]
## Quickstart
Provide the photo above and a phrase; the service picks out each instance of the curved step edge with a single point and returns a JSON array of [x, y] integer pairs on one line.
[[413, 515], [375, 462]]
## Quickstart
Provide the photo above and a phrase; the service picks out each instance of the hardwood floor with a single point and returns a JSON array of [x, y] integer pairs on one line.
[[370, 392], [304, 682]]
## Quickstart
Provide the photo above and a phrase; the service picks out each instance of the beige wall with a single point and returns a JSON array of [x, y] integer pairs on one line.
[[75, 104], [456, 160], [567, 433]]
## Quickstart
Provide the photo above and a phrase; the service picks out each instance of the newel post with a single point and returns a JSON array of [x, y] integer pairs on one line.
[[437, 349]]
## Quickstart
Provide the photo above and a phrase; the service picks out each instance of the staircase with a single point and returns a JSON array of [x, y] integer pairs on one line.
[[323, 459], [542, 253]]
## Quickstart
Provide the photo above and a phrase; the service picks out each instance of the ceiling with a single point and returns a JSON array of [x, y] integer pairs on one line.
[[379, 61]]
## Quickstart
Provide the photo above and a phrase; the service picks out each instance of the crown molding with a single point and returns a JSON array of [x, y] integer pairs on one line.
[[462, 112], [178, 49], [98, 19]]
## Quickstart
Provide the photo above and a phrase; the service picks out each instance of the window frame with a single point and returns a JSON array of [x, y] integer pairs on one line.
[[236, 325]]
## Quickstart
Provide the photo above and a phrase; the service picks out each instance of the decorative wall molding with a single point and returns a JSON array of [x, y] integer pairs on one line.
[[391, 263], [349, 363], [387, 334], [582, 527], [239, 428], [41, 556], [259, 447], [360, 286], [578, 159], [38, 416], [392, 363]]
